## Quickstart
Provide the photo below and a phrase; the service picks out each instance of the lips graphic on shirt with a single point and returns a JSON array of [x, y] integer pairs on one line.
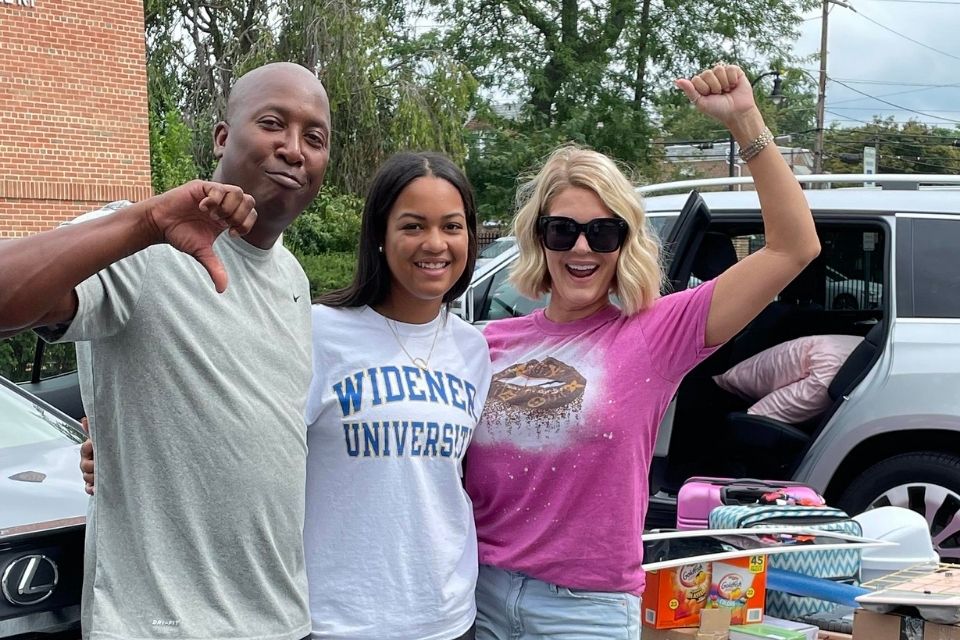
[[538, 385], [534, 403]]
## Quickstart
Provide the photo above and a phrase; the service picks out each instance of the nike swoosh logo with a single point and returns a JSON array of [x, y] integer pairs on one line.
[[296, 298]]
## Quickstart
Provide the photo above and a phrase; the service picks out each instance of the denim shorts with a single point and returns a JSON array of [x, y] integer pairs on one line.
[[470, 634], [512, 606]]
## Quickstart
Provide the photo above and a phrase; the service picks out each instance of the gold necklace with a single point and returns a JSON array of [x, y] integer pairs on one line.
[[420, 363]]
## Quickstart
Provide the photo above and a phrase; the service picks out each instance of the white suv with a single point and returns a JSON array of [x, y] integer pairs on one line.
[[892, 434]]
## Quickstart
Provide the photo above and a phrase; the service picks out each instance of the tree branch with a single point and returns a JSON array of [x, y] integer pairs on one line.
[[537, 20]]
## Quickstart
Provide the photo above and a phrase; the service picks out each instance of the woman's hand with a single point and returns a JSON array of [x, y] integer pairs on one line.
[[723, 93]]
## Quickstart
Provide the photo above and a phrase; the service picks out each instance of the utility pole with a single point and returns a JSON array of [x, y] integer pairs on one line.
[[822, 93]]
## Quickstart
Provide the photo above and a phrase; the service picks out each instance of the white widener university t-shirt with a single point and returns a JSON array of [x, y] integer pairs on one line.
[[390, 543]]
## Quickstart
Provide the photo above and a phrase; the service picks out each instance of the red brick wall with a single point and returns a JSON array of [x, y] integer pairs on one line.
[[73, 109]]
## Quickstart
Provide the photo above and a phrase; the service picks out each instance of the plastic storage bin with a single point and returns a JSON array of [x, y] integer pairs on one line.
[[907, 528]]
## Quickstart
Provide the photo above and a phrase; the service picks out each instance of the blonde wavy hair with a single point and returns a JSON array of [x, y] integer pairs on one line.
[[639, 273]]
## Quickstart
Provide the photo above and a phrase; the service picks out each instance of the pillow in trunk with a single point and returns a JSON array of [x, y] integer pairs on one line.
[[789, 381]]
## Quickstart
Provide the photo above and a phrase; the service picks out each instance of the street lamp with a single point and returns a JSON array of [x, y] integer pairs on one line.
[[776, 97]]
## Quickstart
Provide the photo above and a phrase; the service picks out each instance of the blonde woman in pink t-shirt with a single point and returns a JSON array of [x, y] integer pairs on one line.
[[558, 468]]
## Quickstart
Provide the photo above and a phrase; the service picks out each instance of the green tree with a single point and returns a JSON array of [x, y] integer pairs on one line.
[[332, 223], [388, 89], [171, 146], [599, 74], [559, 56], [672, 38], [499, 158], [503, 153], [911, 147]]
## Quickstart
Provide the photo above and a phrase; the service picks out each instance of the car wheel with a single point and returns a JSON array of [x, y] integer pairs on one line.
[[845, 301], [925, 482]]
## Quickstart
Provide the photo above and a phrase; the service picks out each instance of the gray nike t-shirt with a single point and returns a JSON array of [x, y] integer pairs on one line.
[[196, 403]]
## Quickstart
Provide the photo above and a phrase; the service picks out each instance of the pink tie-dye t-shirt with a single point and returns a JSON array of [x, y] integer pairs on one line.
[[557, 470]]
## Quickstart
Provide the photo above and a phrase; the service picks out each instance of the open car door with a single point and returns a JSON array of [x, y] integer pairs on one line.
[[681, 244], [680, 248]]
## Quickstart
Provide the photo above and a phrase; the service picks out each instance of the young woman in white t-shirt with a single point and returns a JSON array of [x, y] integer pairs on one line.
[[397, 391]]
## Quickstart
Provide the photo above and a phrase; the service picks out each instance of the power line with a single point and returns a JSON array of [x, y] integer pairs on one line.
[[906, 37], [834, 106], [905, 135], [888, 157], [722, 141], [925, 163], [846, 117], [895, 83], [948, 162], [925, 87], [881, 139], [842, 117], [898, 106], [898, 93]]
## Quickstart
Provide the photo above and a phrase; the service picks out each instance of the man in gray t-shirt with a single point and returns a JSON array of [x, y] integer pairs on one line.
[[195, 392]]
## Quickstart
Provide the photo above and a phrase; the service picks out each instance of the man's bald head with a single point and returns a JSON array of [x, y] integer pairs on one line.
[[254, 80], [275, 144]]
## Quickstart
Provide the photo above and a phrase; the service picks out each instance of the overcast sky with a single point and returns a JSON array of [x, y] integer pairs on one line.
[[875, 61]]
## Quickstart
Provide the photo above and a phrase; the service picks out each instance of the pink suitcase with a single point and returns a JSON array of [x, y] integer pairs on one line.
[[699, 496]]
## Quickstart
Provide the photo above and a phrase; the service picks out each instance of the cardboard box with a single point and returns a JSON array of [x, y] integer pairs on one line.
[[714, 625], [676, 597], [869, 625]]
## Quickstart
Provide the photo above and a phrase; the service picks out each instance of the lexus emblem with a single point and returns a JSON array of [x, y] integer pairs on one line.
[[29, 580]]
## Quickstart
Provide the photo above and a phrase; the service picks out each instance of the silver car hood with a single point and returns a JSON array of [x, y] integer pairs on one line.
[[42, 487]]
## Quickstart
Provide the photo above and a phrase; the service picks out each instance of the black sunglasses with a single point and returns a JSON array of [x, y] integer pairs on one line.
[[604, 235]]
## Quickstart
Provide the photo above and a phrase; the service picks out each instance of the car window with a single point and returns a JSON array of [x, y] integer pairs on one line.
[[17, 357], [498, 302], [936, 286], [505, 301], [835, 276], [25, 422], [59, 358], [852, 264], [496, 247], [743, 246], [853, 261], [661, 224]]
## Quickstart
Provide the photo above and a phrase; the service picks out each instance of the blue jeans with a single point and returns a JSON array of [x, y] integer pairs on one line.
[[512, 606]]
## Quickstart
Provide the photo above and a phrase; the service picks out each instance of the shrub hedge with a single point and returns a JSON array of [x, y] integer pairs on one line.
[[328, 271]]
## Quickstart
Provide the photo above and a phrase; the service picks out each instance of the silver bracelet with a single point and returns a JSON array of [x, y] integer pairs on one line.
[[758, 144]]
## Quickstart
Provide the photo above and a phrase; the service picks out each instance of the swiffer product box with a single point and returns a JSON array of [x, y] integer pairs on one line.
[[675, 597]]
